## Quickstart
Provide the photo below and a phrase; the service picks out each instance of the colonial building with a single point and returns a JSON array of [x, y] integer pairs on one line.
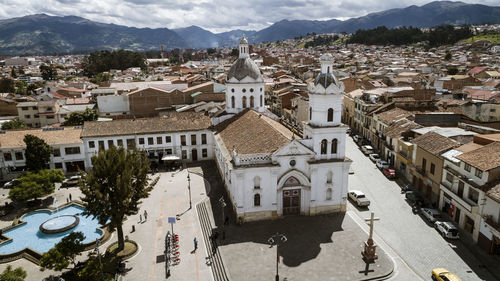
[[267, 171]]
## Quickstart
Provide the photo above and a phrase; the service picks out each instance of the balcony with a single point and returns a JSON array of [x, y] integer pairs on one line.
[[466, 204], [494, 226]]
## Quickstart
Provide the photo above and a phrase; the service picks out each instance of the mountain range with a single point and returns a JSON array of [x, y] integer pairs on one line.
[[42, 34]]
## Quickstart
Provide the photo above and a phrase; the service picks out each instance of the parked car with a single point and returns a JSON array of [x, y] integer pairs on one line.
[[359, 198], [367, 149], [382, 164], [431, 215], [389, 173], [72, 181], [441, 274], [348, 131], [447, 229], [358, 139], [11, 184], [374, 157], [414, 198]]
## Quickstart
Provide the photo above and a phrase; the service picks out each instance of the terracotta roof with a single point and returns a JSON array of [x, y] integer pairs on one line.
[[171, 122], [434, 143], [494, 193], [14, 138], [397, 128], [468, 147], [484, 158], [250, 133], [392, 115], [476, 70]]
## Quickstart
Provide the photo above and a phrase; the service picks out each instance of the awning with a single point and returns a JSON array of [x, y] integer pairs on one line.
[[170, 158]]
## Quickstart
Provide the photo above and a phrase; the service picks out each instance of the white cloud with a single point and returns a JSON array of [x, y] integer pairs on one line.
[[214, 15]]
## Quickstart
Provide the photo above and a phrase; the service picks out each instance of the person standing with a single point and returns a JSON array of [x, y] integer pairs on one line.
[[145, 215], [195, 241]]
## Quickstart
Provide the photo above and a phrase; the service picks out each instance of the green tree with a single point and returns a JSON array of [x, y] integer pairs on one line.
[[14, 124], [7, 85], [21, 88], [33, 185], [447, 56], [78, 118], [102, 61], [452, 71], [13, 72], [17, 274], [113, 189], [64, 253], [37, 153], [49, 72]]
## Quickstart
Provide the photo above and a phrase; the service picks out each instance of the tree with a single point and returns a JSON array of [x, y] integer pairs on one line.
[[49, 72], [7, 85], [17, 274], [113, 189], [13, 72], [14, 124], [78, 118], [21, 88], [34, 185], [64, 252], [102, 61], [37, 153], [447, 56], [452, 71]]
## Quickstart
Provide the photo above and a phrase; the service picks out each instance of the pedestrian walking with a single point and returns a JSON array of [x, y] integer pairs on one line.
[[226, 221], [140, 218], [70, 197], [195, 241], [145, 215]]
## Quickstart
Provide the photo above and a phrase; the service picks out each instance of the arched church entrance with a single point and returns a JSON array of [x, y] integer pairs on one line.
[[291, 197]]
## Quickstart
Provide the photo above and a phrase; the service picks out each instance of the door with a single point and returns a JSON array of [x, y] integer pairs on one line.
[[291, 202], [194, 154], [457, 215]]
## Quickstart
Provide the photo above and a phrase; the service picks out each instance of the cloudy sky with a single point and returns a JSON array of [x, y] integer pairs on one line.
[[214, 15]]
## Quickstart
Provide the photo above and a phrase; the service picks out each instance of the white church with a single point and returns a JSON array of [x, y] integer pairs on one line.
[[267, 171]]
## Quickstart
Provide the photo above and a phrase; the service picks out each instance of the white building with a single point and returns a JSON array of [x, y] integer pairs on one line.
[[266, 170]]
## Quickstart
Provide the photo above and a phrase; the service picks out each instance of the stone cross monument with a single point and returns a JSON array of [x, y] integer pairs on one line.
[[369, 254]]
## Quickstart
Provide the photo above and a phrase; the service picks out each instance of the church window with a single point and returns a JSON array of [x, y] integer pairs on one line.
[[330, 114], [324, 144], [244, 90], [232, 101], [334, 146], [244, 102], [252, 102], [251, 90], [260, 100], [328, 70], [328, 194], [261, 89], [291, 181], [329, 177], [256, 182], [256, 200], [232, 90], [310, 113]]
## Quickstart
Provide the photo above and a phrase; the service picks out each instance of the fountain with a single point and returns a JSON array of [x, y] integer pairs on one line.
[[59, 224]]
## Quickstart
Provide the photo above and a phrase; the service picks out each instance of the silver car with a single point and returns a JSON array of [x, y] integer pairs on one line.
[[431, 215]]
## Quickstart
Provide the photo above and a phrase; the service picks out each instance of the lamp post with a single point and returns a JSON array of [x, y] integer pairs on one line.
[[275, 240], [189, 188]]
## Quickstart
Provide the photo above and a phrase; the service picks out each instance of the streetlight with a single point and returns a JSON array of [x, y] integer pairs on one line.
[[222, 205], [275, 240], [189, 188]]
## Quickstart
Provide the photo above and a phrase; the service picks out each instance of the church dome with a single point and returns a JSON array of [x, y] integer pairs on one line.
[[325, 80], [242, 68], [243, 41]]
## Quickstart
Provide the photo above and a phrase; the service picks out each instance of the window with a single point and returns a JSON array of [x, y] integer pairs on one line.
[[35, 107], [141, 140], [72, 150], [7, 156], [310, 113], [159, 140], [328, 194], [473, 195], [27, 116], [329, 177], [58, 165], [168, 151], [479, 173], [101, 145], [256, 200], [232, 90], [251, 90], [256, 182], [232, 101], [37, 116], [449, 177], [260, 100], [252, 104], [467, 167], [433, 168], [244, 102], [334, 146], [19, 155], [49, 108], [24, 108], [203, 138], [151, 141], [261, 89], [56, 152], [193, 139], [183, 140], [204, 153], [50, 116], [130, 143], [184, 154], [244, 90], [110, 143], [323, 146], [424, 164], [168, 139], [91, 144], [330, 115], [119, 143]]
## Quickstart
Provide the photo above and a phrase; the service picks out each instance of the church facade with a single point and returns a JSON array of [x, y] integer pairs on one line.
[[267, 171]]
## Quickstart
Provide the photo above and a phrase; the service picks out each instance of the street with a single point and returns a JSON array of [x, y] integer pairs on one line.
[[409, 235]]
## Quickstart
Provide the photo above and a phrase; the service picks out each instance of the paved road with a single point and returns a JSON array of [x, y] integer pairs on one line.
[[417, 243]]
